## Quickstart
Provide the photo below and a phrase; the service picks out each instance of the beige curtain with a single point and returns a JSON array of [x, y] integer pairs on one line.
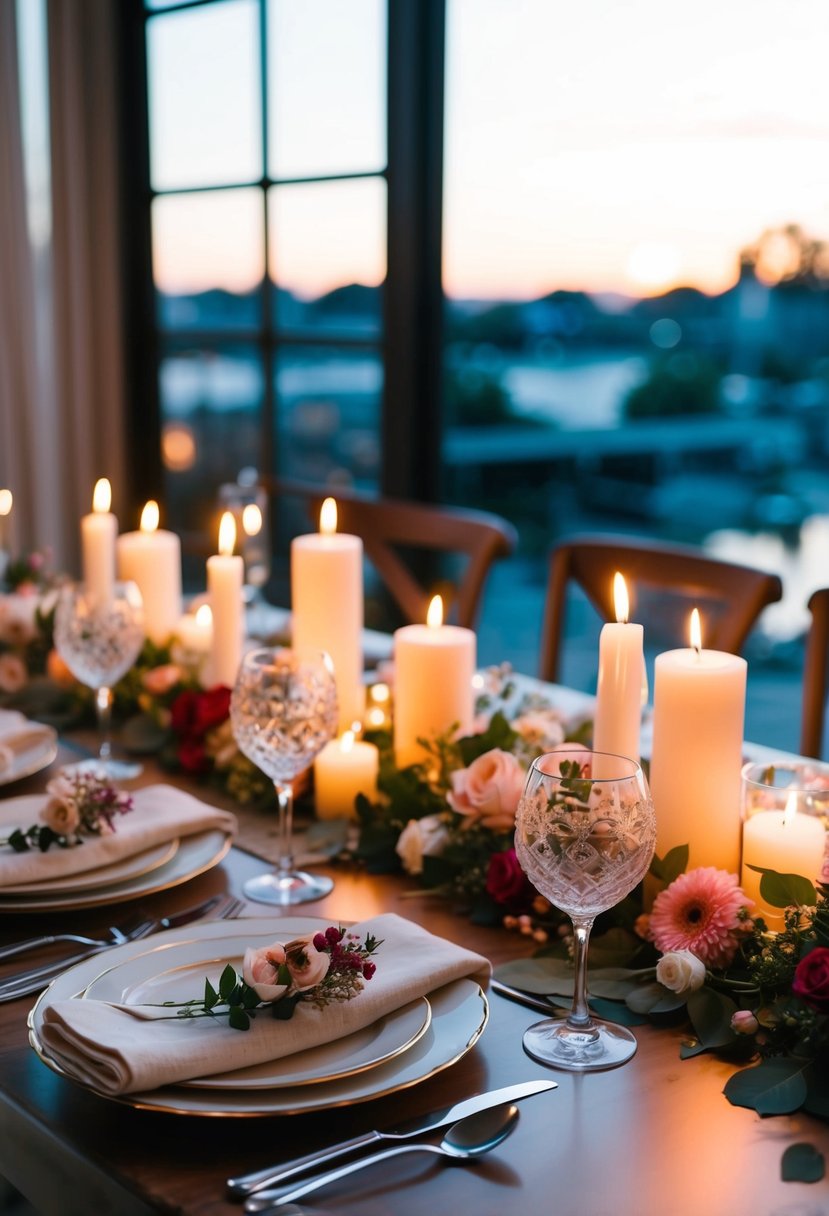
[[61, 371], [18, 363], [88, 354]]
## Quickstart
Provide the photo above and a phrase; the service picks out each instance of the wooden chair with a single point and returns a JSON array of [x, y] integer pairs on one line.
[[815, 664], [664, 582], [417, 549]]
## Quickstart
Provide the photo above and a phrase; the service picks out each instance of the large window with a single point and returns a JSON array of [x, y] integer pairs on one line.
[[267, 177]]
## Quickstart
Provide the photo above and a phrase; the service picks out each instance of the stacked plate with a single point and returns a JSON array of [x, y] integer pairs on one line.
[[401, 1049], [26, 747]]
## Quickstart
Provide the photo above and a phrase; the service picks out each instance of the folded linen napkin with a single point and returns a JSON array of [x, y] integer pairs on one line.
[[18, 735], [119, 1049], [159, 813]]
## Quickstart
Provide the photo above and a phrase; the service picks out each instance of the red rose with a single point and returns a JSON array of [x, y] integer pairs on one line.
[[506, 882], [212, 707], [183, 712], [811, 979], [192, 756]]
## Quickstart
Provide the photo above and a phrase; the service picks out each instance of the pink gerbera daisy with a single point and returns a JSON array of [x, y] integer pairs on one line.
[[703, 911]]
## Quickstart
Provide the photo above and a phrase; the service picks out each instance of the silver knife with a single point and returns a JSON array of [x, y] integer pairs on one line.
[[545, 1003], [247, 1184]]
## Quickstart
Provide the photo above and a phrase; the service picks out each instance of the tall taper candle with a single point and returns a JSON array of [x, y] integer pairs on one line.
[[224, 585], [619, 691]]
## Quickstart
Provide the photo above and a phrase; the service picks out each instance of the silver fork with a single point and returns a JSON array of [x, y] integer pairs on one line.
[[27, 982], [117, 935]]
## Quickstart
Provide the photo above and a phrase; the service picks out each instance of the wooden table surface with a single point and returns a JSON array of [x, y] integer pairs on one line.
[[654, 1136]]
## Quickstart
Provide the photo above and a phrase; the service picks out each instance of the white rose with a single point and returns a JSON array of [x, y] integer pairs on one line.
[[680, 971], [426, 837]]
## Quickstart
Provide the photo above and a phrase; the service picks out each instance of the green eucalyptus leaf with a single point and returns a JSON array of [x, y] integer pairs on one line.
[[690, 1048], [615, 1011], [283, 1010], [615, 948], [227, 982], [238, 1019], [542, 976], [669, 867], [327, 837], [142, 735], [653, 998], [710, 1013], [773, 1087], [802, 1163], [785, 890]]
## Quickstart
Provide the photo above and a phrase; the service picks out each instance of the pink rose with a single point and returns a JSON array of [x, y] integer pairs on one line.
[[160, 680], [260, 970], [307, 965], [489, 790], [744, 1022], [62, 816], [13, 673]]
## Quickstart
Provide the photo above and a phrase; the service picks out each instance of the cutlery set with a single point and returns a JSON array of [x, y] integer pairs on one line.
[[25, 983], [476, 1125]]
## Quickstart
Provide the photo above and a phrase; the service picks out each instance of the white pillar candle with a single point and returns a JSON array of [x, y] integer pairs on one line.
[[224, 587], [6, 503], [785, 841], [433, 669], [696, 757], [98, 533], [327, 606], [344, 768], [152, 558], [619, 691]]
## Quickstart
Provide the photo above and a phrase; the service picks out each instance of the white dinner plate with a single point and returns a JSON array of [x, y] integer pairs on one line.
[[103, 876], [33, 757], [178, 972], [195, 854], [459, 1015]]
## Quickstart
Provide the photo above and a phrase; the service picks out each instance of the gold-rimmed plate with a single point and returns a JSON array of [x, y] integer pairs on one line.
[[31, 756], [176, 973], [103, 876], [460, 1013], [195, 855]]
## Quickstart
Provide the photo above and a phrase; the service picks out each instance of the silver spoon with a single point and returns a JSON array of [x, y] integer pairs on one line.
[[465, 1140]]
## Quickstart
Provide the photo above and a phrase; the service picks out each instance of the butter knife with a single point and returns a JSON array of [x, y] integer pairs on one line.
[[275, 1175], [545, 1003]]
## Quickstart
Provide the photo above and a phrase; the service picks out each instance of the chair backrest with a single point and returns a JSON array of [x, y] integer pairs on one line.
[[816, 660], [669, 579], [398, 534]]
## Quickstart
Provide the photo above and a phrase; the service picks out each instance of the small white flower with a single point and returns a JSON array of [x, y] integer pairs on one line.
[[680, 971], [426, 837]]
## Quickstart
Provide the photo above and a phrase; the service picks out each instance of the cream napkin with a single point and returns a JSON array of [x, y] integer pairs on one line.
[[159, 813], [119, 1049], [18, 735]]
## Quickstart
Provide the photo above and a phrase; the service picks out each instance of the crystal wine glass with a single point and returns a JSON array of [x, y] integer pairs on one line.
[[99, 640], [283, 711], [585, 831]]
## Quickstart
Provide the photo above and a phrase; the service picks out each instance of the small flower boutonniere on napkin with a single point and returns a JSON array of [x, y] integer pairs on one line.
[[319, 968], [80, 804]]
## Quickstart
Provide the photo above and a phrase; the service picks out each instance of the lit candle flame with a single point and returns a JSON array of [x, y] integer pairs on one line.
[[149, 516], [434, 616], [621, 602], [252, 519], [791, 808], [347, 741], [227, 534], [6, 500], [379, 693], [102, 496], [204, 615], [696, 631], [328, 517]]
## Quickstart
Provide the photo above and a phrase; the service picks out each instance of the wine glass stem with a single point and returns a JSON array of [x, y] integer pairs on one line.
[[285, 799], [103, 709], [579, 1016]]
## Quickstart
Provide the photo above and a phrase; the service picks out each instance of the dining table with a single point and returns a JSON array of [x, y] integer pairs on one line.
[[656, 1136]]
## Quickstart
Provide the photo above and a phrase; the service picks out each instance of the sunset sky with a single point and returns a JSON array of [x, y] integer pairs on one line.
[[603, 147]]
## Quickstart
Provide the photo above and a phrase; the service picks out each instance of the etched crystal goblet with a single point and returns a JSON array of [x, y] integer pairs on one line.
[[283, 711], [99, 639], [585, 831]]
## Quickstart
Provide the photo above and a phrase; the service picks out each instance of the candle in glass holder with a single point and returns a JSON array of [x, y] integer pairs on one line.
[[344, 768], [619, 690], [786, 841], [151, 557], [327, 606], [433, 693], [98, 533], [224, 585], [696, 757]]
